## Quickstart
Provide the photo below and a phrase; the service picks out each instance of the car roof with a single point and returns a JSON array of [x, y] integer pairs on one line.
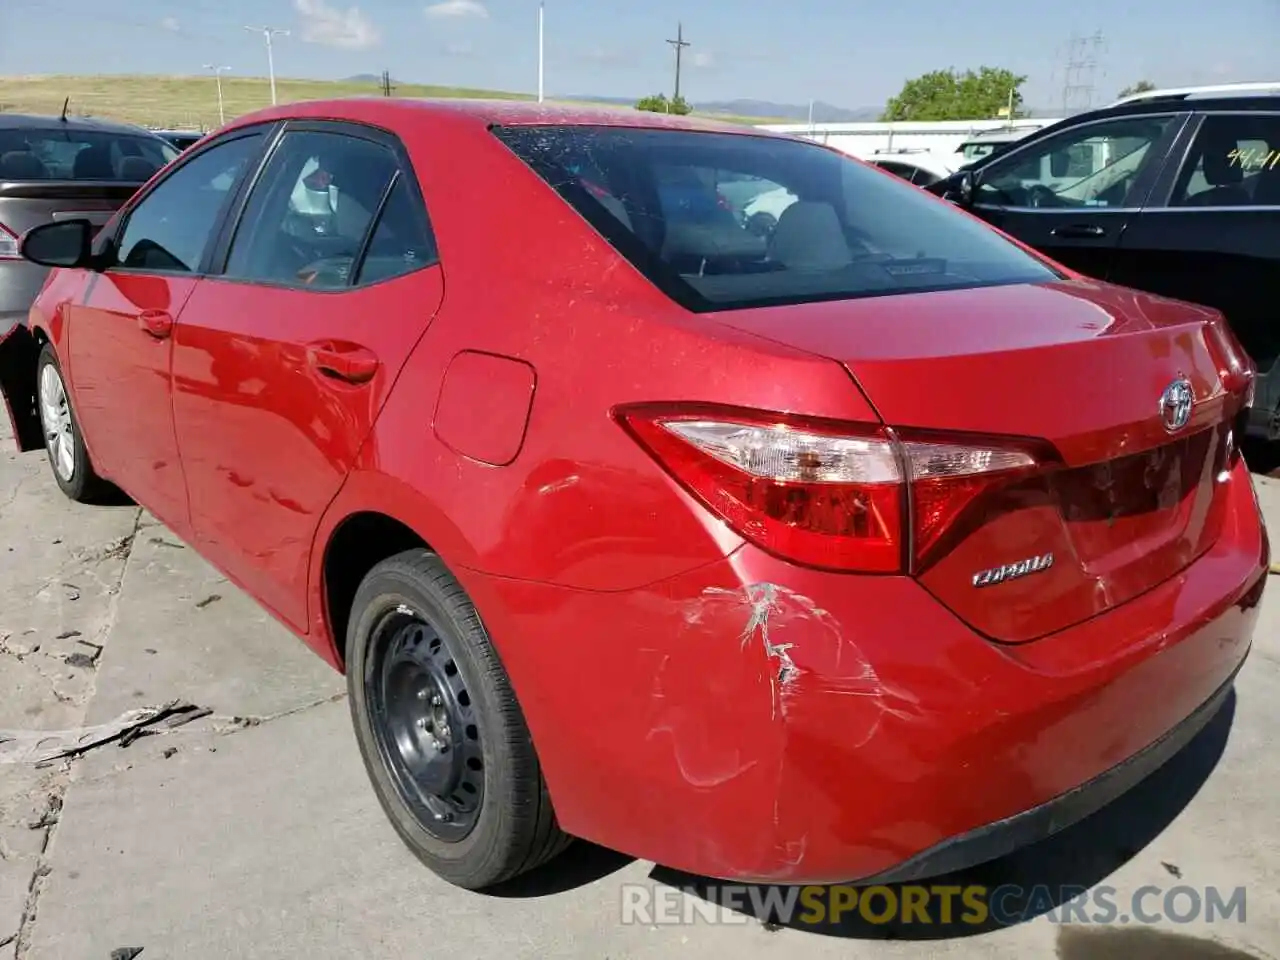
[[1176, 103], [1181, 104], [487, 113], [32, 121], [923, 158], [1003, 134]]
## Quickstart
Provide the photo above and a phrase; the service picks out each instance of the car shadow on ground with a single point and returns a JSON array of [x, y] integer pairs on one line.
[[1140, 943], [1261, 456], [583, 863], [1037, 879]]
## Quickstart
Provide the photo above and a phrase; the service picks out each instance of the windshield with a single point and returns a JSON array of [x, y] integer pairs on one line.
[[723, 221], [59, 153]]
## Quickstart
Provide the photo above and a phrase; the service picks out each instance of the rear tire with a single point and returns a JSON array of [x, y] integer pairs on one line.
[[442, 737], [63, 440]]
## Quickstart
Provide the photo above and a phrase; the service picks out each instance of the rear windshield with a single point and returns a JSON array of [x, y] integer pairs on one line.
[[724, 221], [68, 154]]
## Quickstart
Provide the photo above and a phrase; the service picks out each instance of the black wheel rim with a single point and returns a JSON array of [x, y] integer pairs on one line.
[[425, 725]]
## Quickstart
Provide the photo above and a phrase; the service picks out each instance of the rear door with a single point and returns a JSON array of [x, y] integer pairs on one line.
[[1072, 195], [119, 344], [329, 277], [1210, 233]]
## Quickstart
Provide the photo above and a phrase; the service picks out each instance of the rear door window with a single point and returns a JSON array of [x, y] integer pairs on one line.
[[325, 200], [815, 224], [1234, 162], [34, 153]]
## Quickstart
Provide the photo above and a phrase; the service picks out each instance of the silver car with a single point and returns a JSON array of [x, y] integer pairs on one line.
[[56, 168]]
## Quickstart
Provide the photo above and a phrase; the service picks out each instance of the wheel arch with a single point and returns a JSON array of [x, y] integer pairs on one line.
[[374, 517]]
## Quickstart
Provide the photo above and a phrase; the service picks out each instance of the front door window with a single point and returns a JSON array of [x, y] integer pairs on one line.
[[1094, 166]]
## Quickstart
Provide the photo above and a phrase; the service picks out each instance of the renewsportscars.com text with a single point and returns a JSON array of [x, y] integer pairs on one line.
[[971, 905]]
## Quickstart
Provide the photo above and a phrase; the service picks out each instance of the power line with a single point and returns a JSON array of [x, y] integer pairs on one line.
[[268, 33], [679, 43], [1081, 67]]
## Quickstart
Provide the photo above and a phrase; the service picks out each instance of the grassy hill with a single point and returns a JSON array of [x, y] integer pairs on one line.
[[192, 102]]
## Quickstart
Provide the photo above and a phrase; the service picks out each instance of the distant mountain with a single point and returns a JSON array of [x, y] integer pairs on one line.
[[365, 78], [822, 112], [765, 109]]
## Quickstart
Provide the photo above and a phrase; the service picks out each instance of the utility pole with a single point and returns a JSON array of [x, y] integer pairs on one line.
[[387, 88], [679, 43], [268, 33], [1082, 63], [541, 17], [218, 76]]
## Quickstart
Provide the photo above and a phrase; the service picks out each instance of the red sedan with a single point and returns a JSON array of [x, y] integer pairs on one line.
[[867, 546]]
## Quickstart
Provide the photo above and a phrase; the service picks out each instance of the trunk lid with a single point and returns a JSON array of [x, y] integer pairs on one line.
[[27, 204], [1081, 365]]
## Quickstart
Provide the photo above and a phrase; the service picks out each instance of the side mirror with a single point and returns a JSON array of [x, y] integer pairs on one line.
[[67, 243], [958, 188], [1059, 164]]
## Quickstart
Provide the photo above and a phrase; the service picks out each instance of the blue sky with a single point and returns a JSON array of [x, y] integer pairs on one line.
[[848, 53]]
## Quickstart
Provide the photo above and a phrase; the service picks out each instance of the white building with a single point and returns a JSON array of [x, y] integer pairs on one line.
[[941, 137]]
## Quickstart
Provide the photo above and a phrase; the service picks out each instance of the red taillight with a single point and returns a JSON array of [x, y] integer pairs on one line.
[[846, 497], [8, 244], [1235, 367]]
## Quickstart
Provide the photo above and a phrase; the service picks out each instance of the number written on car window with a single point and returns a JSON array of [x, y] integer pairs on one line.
[[1233, 163]]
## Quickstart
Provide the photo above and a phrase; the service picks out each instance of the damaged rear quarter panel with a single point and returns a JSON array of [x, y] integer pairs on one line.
[[734, 714]]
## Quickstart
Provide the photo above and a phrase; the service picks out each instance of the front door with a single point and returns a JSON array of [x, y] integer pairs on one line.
[[282, 363], [1072, 195], [120, 329], [1215, 237]]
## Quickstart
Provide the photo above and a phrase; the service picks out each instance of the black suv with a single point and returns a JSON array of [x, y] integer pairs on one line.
[[1175, 192]]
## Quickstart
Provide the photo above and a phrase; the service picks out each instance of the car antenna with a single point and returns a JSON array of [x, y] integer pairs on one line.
[[65, 103]]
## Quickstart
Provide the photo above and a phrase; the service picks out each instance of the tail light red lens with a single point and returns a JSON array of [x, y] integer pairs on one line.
[[848, 497], [1235, 367], [8, 244]]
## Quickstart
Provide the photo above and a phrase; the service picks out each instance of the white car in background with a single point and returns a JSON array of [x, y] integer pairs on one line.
[[919, 166]]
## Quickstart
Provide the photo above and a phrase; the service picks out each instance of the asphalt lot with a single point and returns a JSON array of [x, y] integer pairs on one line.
[[251, 832]]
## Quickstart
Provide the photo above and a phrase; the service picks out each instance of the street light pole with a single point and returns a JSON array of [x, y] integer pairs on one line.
[[541, 14], [217, 74], [268, 33]]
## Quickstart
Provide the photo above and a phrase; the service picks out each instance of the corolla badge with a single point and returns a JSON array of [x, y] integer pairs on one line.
[[1012, 571], [1176, 403]]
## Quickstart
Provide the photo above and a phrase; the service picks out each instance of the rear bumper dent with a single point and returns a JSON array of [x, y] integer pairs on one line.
[[1003, 837]]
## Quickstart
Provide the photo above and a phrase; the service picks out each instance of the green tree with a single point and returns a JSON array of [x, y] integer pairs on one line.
[[950, 95], [1142, 86], [658, 103]]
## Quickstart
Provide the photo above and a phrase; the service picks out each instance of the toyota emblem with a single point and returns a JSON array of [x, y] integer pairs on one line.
[[1176, 403]]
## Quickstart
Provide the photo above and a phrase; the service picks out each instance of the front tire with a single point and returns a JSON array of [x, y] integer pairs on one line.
[[63, 441], [442, 737]]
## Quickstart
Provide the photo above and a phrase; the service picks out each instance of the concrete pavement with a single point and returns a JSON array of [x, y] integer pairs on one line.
[[251, 832]]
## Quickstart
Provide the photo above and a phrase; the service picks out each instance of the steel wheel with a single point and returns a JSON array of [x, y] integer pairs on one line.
[[55, 417], [425, 725], [442, 737]]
